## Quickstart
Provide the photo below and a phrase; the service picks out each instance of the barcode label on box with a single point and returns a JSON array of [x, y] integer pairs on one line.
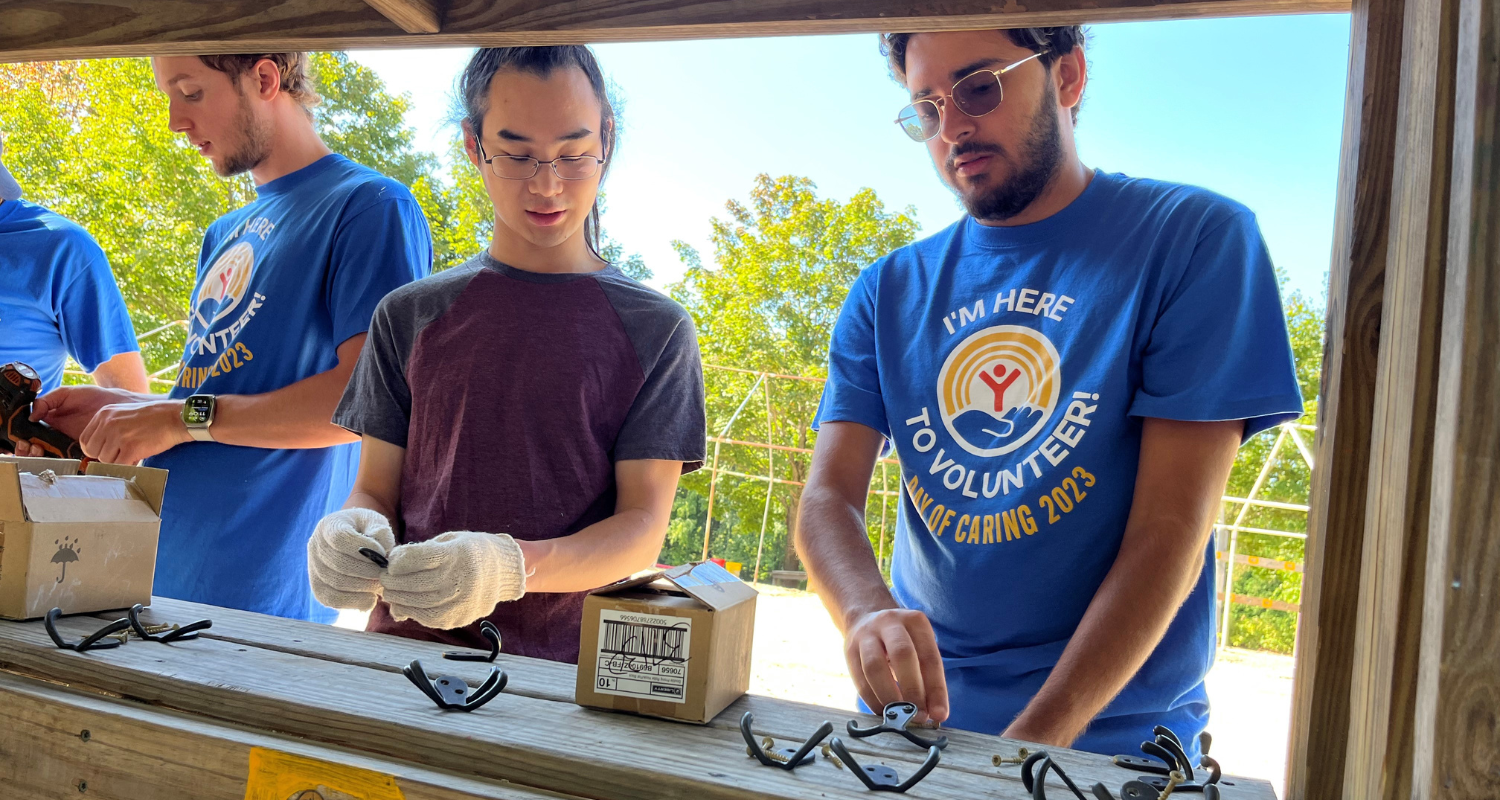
[[643, 655]]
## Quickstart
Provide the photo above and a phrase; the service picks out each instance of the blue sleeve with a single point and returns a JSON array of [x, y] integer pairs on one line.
[[91, 313], [1219, 349], [377, 249], [852, 393]]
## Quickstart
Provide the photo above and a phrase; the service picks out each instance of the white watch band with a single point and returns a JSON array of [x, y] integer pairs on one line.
[[200, 434]]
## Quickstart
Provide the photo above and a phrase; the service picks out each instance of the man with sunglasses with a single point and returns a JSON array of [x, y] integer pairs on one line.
[[1066, 374]]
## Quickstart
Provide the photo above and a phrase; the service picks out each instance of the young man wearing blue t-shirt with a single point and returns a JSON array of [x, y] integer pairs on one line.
[[285, 292], [58, 297], [1065, 375]]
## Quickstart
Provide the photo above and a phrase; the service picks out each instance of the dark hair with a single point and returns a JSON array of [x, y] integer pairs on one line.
[[474, 94], [1053, 42], [292, 67]]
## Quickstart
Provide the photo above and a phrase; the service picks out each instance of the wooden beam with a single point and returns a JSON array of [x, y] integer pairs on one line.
[[968, 752], [1336, 520], [1388, 626], [412, 16], [38, 30], [57, 742], [1457, 749]]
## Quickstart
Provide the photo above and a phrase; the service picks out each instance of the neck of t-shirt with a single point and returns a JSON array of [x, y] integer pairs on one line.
[[1072, 219], [292, 180]]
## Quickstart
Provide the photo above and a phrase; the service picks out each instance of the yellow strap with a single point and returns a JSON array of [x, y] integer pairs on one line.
[[283, 776]]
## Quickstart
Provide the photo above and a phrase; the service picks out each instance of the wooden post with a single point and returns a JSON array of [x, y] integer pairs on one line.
[[1457, 747], [1325, 633]]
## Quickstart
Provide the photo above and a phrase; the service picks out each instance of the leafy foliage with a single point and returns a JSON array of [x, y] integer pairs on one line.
[[783, 263]]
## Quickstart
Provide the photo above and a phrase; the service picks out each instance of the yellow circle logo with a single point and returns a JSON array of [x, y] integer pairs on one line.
[[224, 285], [998, 388]]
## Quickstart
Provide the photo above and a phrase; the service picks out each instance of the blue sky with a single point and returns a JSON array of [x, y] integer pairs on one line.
[[1248, 107]]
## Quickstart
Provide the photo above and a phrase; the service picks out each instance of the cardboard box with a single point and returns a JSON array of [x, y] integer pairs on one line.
[[673, 644], [81, 543]]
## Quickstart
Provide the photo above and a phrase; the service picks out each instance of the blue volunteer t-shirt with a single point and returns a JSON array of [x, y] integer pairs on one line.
[[281, 284], [1011, 367], [57, 295]]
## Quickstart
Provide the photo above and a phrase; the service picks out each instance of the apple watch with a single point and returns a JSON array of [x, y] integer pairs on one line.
[[198, 415]]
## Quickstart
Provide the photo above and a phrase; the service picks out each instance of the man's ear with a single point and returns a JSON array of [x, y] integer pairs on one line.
[[1071, 74], [265, 79], [471, 144]]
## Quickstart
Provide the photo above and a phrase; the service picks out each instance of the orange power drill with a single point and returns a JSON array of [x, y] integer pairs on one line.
[[19, 386]]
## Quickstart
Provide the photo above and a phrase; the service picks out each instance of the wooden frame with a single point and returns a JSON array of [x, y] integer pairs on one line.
[[1400, 642]]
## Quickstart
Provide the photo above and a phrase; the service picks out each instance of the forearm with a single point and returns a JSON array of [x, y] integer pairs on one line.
[[1122, 626], [832, 542], [292, 417], [364, 499], [598, 555], [124, 371]]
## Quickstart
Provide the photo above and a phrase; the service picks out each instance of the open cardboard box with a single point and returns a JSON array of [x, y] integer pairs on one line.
[[674, 644], [81, 543]]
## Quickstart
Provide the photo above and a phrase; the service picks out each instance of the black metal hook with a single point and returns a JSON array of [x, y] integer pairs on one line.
[[1168, 748], [894, 719], [787, 758], [452, 693], [879, 777], [488, 630], [188, 631], [1035, 781], [375, 556], [90, 642]]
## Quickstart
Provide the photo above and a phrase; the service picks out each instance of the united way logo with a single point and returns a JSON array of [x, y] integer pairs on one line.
[[225, 286], [998, 388]]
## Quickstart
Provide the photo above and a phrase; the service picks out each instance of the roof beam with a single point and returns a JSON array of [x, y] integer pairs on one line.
[[36, 30], [412, 16]]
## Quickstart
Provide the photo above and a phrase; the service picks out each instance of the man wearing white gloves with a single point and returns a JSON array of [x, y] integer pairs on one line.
[[525, 416]]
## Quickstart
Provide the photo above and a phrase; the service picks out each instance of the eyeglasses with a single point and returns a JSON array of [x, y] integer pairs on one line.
[[977, 94], [520, 168]]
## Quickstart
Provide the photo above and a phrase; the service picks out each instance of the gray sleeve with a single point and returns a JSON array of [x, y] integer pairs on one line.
[[377, 401], [666, 421]]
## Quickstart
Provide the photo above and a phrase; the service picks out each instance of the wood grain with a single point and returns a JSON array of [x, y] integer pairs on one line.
[[1457, 748], [134, 752], [1401, 434], [412, 16], [1336, 520], [536, 743], [553, 681], [38, 30]]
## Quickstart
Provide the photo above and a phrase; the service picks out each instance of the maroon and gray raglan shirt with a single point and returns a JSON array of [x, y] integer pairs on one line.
[[514, 393]]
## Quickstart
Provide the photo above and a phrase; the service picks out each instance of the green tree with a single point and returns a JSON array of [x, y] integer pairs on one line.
[[90, 140], [783, 263], [1288, 480]]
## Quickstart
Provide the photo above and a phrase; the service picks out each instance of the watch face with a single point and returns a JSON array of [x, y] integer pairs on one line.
[[198, 410]]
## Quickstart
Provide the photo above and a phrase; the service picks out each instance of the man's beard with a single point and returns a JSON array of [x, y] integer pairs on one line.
[[255, 143], [1040, 155]]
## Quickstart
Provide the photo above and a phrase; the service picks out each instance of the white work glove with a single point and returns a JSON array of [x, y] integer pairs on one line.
[[340, 576], [453, 579]]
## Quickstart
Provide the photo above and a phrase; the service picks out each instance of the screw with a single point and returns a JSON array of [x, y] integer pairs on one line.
[[163, 628], [123, 636], [828, 754], [1020, 758], [85, 735], [1172, 780]]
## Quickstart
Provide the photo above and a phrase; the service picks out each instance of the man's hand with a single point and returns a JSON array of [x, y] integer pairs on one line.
[[453, 579], [892, 652], [341, 576], [893, 655], [126, 433], [70, 409]]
